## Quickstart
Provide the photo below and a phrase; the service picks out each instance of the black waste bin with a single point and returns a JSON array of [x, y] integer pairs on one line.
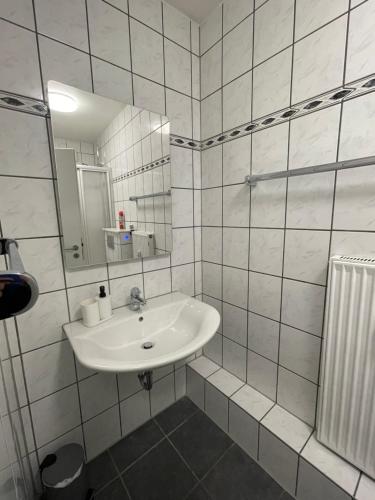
[[64, 475]]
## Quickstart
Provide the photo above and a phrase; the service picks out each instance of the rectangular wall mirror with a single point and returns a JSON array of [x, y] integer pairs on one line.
[[113, 178]]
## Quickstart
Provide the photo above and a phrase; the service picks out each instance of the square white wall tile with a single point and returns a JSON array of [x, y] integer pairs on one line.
[[266, 250], [148, 12], [264, 213], [147, 52], [237, 50], [49, 369], [135, 411], [310, 199], [355, 201], [214, 349], [212, 165], [346, 243], [265, 295], [210, 29], [311, 15], [20, 58], [195, 387], [319, 61], [39, 212], [235, 285], [236, 247], [102, 432], [303, 306], [243, 429], [76, 69], [148, 95], [262, 374], [234, 323], [93, 274], [157, 283], [211, 207], [361, 42], [183, 279], [211, 118], [212, 244], [162, 394], [300, 352], [357, 131], [109, 33], [236, 201], [312, 485], [23, 145], [234, 11], [176, 25], [212, 279], [236, 160], [182, 167], [216, 406], [297, 395], [313, 138], [111, 81], [18, 11], [227, 383], [182, 207], [42, 324], [237, 102], [56, 414], [263, 336], [270, 149], [47, 271], [177, 67], [179, 113], [306, 255], [273, 29], [271, 88], [279, 460], [97, 393], [63, 21], [234, 358], [211, 70]]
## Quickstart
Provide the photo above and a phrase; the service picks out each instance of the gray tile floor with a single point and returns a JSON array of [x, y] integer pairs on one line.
[[180, 455]]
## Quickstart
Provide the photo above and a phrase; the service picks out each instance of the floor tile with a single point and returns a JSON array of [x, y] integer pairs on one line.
[[133, 446], [160, 475], [100, 471], [238, 477], [114, 491], [198, 493], [200, 442], [173, 416]]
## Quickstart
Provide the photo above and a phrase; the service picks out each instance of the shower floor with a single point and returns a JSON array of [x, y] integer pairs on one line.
[[180, 454]]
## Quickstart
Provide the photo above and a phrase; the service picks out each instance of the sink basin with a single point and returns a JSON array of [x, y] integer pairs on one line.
[[168, 329]]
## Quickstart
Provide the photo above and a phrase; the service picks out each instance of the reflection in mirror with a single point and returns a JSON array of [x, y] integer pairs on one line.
[[113, 178]]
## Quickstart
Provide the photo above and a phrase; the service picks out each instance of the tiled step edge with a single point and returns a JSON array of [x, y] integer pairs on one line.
[[281, 443]]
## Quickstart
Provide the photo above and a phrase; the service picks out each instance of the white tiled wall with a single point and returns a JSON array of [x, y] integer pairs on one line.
[[265, 252], [146, 54]]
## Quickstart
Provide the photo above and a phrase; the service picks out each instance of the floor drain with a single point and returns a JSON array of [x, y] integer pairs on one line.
[[147, 345]]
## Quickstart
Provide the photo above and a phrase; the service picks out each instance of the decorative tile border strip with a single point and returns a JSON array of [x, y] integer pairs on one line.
[[183, 142], [331, 98], [140, 170], [26, 104]]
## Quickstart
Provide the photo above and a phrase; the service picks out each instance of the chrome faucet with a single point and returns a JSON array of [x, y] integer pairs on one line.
[[136, 301]]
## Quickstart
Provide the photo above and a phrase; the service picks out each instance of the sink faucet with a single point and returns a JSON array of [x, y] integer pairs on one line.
[[136, 301]]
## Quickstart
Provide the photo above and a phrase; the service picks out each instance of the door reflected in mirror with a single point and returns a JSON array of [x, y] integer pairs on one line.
[[113, 178]]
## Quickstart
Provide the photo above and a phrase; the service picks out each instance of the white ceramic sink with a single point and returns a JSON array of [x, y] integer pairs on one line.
[[175, 324]]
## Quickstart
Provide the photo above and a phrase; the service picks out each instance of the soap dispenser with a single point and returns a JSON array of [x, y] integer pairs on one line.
[[104, 302]]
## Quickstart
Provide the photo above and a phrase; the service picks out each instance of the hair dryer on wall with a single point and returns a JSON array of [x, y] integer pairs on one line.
[[18, 290]]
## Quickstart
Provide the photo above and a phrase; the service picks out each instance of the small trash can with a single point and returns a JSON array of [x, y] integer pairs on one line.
[[64, 475]]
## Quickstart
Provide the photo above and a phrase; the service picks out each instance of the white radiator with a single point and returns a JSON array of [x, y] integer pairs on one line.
[[346, 409]]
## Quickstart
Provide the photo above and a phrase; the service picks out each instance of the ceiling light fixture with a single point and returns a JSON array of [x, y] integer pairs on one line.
[[62, 102]]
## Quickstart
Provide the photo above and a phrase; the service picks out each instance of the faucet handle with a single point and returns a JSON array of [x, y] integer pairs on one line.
[[135, 292]]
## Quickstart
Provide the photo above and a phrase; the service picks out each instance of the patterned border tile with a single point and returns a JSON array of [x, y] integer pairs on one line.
[[26, 104], [140, 170]]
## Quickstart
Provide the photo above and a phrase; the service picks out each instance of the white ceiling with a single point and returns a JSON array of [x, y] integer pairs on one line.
[[195, 9], [85, 124]]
